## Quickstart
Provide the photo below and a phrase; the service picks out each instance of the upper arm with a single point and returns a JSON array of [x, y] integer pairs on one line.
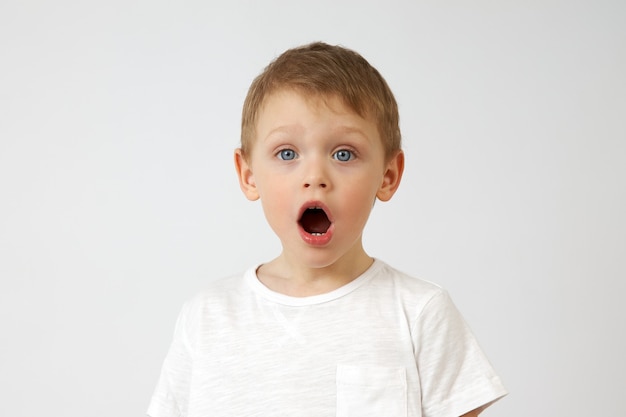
[[455, 373]]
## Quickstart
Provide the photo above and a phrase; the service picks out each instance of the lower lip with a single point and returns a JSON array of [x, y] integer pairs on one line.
[[317, 240]]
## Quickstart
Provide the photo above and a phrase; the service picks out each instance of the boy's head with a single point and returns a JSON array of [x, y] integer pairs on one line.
[[320, 143], [319, 69]]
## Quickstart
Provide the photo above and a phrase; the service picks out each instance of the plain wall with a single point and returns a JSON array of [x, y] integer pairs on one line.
[[118, 197]]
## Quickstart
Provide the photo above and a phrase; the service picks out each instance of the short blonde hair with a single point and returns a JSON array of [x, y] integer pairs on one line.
[[322, 69]]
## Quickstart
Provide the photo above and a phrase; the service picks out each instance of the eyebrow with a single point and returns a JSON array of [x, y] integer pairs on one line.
[[350, 129], [340, 130], [282, 129]]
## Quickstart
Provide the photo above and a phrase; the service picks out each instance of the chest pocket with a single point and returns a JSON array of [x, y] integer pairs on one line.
[[371, 391]]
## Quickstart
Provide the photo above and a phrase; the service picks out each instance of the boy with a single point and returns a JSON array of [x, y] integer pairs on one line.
[[323, 329]]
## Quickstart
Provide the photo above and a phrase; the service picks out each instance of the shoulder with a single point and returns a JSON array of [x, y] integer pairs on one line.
[[406, 288], [215, 298], [415, 299], [218, 289]]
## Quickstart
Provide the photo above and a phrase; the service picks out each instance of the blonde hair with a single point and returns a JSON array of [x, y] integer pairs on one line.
[[322, 69]]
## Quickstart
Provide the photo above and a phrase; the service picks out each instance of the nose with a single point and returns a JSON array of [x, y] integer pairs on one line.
[[315, 175]]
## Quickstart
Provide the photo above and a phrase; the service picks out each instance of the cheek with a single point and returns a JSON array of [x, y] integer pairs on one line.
[[275, 204], [360, 201]]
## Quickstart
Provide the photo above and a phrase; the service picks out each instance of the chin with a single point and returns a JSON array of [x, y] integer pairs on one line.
[[316, 258]]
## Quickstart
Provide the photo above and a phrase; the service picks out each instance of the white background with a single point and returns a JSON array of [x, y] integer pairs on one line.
[[118, 198]]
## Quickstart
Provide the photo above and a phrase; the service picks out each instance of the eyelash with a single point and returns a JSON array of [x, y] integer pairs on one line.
[[350, 152], [284, 154], [281, 153]]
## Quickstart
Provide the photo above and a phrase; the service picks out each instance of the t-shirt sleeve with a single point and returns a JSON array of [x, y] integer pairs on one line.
[[455, 375], [170, 396]]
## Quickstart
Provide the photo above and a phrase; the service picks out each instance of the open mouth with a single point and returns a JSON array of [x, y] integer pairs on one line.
[[315, 221]]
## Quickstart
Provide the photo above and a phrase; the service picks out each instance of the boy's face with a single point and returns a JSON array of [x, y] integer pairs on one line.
[[317, 167]]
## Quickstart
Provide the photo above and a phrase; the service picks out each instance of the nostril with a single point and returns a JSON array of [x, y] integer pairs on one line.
[[320, 184]]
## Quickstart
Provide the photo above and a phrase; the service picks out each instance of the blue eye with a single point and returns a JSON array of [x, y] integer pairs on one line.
[[343, 155], [287, 154]]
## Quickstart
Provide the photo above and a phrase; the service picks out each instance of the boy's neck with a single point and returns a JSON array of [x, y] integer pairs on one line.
[[291, 277]]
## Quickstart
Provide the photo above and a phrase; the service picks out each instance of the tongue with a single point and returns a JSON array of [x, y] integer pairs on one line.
[[315, 221]]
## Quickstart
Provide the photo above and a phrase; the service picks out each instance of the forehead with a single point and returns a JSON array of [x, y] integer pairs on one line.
[[291, 105]]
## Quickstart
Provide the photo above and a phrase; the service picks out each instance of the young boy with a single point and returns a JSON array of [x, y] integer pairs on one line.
[[324, 329]]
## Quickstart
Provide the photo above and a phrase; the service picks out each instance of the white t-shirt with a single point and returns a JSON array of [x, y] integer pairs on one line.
[[384, 345]]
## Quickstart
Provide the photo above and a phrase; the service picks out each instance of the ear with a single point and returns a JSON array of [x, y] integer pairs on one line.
[[246, 178], [391, 177]]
